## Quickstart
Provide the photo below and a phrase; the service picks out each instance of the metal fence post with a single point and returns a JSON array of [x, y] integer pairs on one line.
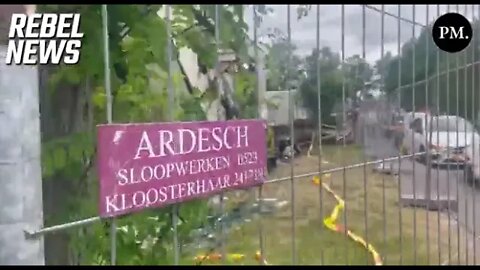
[[428, 138], [218, 74], [262, 114], [319, 122], [382, 78], [291, 114], [108, 93], [365, 188], [437, 54], [344, 128], [413, 115], [170, 117], [399, 96], [20, 170]]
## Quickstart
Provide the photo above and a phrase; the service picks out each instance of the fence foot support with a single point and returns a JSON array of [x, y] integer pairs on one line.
[[432, 204], [29, 234]]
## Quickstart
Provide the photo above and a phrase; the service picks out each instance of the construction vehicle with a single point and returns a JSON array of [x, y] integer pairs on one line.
[[271, 149]]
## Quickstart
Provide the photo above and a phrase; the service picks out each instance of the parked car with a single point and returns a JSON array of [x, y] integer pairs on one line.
[[455, 134], [454, 141], [463, 141]]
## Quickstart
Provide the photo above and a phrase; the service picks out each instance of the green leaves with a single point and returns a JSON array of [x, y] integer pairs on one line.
[[245, 93], [66, 155], [202, 45], [331, 81], [138, 56], [280, 66], [182, 18], [441, 92]]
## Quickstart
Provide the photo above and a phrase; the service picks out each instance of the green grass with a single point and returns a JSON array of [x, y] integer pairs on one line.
[[317, 245]]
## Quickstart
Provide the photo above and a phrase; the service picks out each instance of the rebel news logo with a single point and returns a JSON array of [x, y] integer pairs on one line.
[[452, 32], [44, 39]]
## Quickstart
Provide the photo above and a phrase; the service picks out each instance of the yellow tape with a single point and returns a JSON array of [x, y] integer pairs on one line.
[[231, 257], [330, 221], [259, 258]]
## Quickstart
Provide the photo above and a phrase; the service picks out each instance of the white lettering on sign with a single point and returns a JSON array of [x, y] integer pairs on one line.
[[152, 165], [201, 140]]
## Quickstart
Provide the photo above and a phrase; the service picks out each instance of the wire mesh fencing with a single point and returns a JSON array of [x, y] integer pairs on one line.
[[372, 139]]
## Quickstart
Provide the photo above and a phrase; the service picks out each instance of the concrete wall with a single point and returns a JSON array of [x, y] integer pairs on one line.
[[20, 170]]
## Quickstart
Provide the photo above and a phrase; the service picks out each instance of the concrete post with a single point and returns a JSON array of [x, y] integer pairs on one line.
[[21, 205]]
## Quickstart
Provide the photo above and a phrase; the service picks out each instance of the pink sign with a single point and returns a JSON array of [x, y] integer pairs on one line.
[[156, 164]]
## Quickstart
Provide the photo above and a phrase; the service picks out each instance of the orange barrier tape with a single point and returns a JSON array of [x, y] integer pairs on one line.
[[232, 257], [330, 221], [260, 259]]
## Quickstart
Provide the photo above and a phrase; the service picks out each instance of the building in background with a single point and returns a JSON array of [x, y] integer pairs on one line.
[[278, 107]]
